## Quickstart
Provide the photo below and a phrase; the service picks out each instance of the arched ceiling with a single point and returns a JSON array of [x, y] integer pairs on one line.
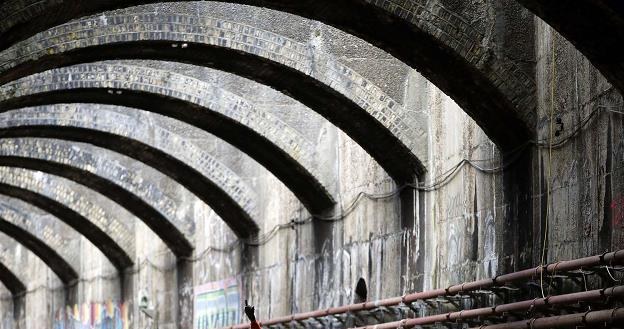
[[265, 138], [138, 194], [70, 203], [41, 236], [440, 40], [106, 127], [450, 52], [372, 118]]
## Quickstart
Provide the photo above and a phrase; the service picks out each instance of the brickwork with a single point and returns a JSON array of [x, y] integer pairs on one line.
[[449, 28], [181, 30], [75, 198], [16, 12], [97, 118], [82, 157], [454, 30], [268, 134], [137, 78]]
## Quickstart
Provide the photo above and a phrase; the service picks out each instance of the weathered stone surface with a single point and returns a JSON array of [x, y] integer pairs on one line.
[[10, 279], [14, 257], [583, 170]]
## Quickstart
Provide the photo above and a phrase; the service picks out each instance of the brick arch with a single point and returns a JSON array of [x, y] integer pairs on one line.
[[53, 195], [105, 126], [367, 114], [138, 194], [439, 42], [268, 140], [595, 27], [18, 223]]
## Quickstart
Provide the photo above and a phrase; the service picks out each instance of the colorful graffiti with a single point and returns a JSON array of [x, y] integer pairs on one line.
[[217, 304], [108, 315]]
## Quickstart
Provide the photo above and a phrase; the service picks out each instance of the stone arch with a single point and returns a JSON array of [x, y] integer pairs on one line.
[[438, 41], [271, 142], [595, 27], [138, 194], [371, 117], [53, 195], [17, 224], [106, 127]]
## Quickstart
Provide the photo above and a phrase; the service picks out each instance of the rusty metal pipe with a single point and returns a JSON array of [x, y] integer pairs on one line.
[[611, 258], [607, 317], [593, 295]]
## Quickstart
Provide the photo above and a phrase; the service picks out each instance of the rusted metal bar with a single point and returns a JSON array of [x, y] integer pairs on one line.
[[611, 258], [585, 296], [606, 318]]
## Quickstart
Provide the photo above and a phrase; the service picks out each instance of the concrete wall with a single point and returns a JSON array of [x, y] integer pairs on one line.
[[586, 178], [398, 240]]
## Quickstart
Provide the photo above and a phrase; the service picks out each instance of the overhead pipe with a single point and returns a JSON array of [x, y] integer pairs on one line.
[[609, 258], [587, 319], [585, 296]]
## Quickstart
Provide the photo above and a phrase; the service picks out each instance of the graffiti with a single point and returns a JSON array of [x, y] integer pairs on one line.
[[217, 304], [617, 208], [454, 206], [490, 256], [95, 315]]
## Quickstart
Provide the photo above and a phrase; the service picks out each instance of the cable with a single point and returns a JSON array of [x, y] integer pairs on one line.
[[263, 239], [611, 275], [439, 182], [550, 147]]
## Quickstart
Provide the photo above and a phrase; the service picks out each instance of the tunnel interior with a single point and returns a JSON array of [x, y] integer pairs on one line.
[[334, 164]]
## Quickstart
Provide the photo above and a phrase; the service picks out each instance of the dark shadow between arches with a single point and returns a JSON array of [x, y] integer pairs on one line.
[[595, 27], [65, 272], [470, 86], [11, 282], [286, 168], [221, 202], [396, 158], [105, 243], [156, 221]]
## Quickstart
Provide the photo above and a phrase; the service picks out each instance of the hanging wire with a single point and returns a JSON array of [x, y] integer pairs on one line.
[[550, 148], [441, 180], [611, 275], [294, 223]]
